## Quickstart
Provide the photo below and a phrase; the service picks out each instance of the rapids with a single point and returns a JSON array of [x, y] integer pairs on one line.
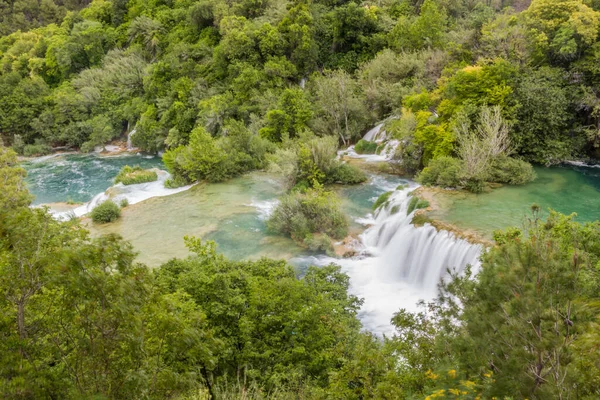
[[399, 264]]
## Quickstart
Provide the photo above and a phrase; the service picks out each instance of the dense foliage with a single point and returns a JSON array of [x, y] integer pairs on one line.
[[81, 319], [132, 175], [312, 217], [237, 79]]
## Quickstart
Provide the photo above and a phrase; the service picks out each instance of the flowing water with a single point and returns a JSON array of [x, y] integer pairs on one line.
[[77, 177], [397, 264]]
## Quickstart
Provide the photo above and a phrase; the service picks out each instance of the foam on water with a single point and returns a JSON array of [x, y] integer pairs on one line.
[[132, 193], [398, 263], [264, 208]]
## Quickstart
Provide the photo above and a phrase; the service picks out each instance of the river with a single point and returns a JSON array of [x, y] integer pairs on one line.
[[396, 264]]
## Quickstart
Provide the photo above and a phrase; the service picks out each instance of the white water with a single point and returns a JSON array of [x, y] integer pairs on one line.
[[375, 134], [582, 164], [399, 264], [129, 136], [379, 136], [264, 208], [385, 154], [132, 193]]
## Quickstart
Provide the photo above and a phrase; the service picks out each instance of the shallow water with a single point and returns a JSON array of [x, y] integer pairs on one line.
[[398, 264], [231, 213], [567, 189]]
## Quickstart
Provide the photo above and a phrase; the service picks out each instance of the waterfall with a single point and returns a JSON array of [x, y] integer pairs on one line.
[[129, 136], [399, 263], [373, 134]]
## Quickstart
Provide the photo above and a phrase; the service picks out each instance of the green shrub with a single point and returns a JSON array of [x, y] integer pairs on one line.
[[416, 204], [319, 242], [443, 171], [302, 215], [175, 182], [37, 149], [510, 170], [134, 175], [381, 200], [365, 147], [106, 212], [124, 203], [346, 174]]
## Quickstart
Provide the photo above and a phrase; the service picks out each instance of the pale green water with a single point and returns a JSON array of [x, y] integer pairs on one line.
[[232, 214], [566, 189], [229, 213]]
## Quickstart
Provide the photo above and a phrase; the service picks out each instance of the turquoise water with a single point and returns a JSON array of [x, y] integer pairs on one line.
[[567, 189], [78, 177]]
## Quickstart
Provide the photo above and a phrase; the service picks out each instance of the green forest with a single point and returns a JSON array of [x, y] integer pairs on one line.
[[476, 93]]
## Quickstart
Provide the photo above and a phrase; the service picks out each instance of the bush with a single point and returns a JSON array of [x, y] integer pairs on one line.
[[510, 170], [106, 212], [381, 200], [314, 161], [443, 171], [175, 182], [124, 203], [304, 215], [134, 175], [365, 147], [416, 204], [38, 149], [346, 174]]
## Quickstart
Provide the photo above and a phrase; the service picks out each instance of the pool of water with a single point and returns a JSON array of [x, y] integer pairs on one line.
[[567, 189], [78, 177]]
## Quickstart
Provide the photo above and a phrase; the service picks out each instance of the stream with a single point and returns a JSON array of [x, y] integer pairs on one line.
[[396, 264]]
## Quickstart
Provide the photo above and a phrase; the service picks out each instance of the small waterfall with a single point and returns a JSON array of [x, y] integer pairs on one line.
[[129, 136], [419, 256], [399, 263], [374, 134]]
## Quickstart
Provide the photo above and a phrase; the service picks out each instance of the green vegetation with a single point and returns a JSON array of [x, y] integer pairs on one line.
[[106, 212], [365, 147], [416, 204], [312, 162], [192, 327], [382, 199], [220, 86], [312, 218], [133, 175], [480, 89]]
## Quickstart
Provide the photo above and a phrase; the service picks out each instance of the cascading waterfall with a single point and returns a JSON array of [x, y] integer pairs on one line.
[[375, 134], [129, 137], [399, 263], [378, 135]]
